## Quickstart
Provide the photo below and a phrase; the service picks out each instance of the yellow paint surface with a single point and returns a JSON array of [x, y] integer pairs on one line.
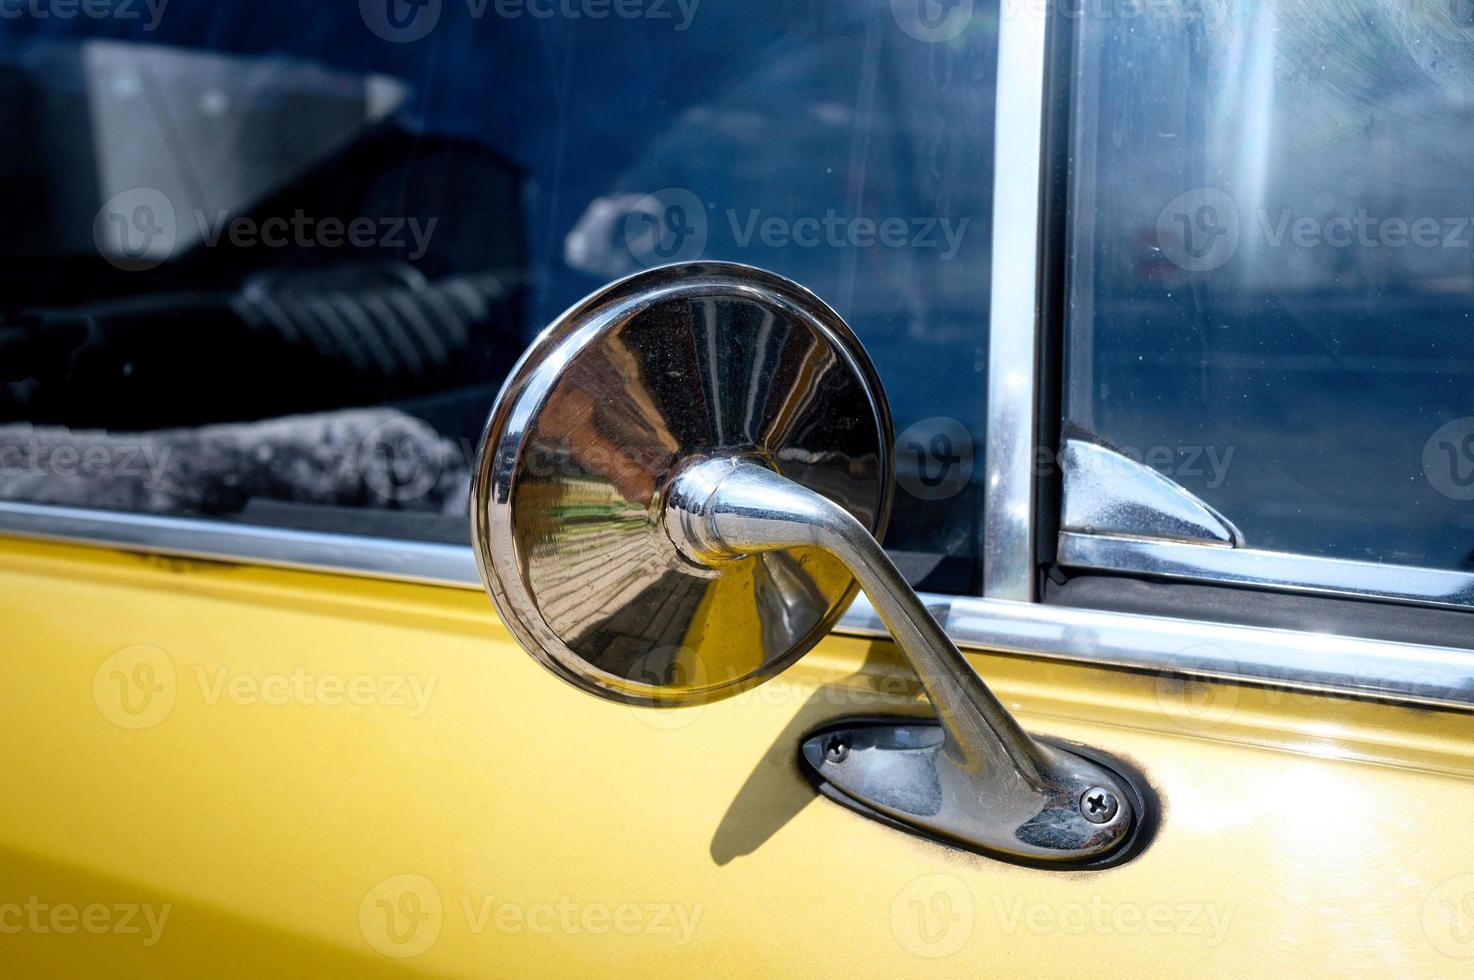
[[292, 774]]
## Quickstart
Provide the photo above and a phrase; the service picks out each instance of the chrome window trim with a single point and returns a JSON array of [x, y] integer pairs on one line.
[[1440, 676], [1173, 647], [1279, 570], [1013, 319], [225, 541]]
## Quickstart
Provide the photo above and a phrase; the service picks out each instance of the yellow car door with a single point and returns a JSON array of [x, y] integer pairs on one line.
[[1167, 305]]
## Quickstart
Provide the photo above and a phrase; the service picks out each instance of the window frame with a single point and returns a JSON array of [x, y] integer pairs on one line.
[[1277, 572], [1020, 505]]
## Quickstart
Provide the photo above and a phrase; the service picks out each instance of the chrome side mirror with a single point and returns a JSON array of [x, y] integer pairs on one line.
[[680, 489]]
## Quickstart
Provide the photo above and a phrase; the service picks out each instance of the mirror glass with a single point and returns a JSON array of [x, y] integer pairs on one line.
[[671, 366]]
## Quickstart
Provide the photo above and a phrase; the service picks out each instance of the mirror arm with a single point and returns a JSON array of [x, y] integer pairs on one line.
[[722, 509], [749, 508]]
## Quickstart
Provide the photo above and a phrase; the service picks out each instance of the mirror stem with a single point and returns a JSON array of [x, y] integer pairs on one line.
[[722, 509]]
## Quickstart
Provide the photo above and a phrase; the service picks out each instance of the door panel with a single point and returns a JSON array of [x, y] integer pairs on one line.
[[463, 805]]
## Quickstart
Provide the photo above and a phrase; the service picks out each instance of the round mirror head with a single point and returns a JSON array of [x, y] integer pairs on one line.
[[647, 376]]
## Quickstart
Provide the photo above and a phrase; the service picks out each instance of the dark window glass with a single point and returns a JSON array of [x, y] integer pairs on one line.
[[270, 260], [1271, 291]]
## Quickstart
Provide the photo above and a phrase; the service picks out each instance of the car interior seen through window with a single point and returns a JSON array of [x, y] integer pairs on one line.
[[271, 263]]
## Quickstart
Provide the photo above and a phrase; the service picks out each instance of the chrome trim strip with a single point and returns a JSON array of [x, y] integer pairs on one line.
[[1441, 676], [412, 561], [1314, 661], [1013, 321], [1268, 569]]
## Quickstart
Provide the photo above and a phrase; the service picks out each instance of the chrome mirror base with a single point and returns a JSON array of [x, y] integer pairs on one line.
[[975, 777], [825, 752]]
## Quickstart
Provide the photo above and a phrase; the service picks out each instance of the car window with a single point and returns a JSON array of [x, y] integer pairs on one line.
[[1271, 293], [270, 261]]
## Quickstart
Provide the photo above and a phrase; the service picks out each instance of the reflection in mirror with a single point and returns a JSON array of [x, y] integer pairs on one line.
[[630, 388]]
